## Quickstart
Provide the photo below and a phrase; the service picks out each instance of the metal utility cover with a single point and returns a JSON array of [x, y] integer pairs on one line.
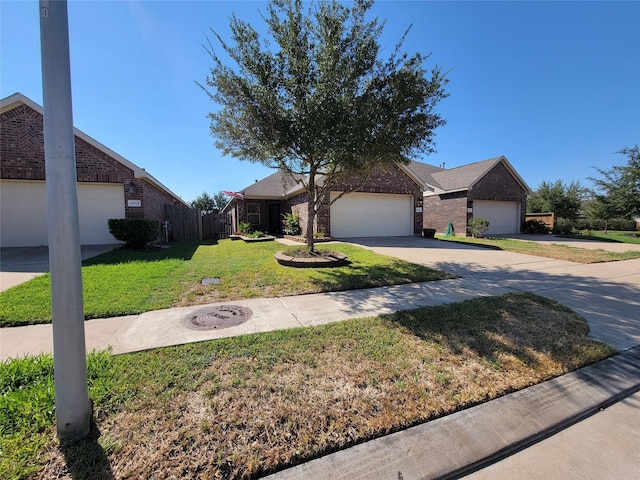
[[216, 318]]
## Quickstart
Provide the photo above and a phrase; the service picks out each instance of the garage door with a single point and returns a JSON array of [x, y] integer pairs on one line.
[[23, 212], [504, 217], [371, 215]]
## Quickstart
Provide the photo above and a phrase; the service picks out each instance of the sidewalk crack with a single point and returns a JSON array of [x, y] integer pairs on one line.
[[291, 313]]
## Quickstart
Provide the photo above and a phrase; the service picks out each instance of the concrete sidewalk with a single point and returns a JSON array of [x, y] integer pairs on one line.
[[606, 294], [161, 328]]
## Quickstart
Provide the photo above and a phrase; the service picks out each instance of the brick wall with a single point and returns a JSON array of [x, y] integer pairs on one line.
[[22, 154], [497, 185], [240, 207], [93, 165], [21, 144], [500, 185], [299, 205], [439, 210], [154, 201]]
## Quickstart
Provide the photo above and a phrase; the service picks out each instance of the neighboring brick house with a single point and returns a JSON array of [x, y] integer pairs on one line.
[[489, 189], [394, 201], [109, 186]]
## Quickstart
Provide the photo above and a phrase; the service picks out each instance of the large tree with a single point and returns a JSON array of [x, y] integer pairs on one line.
[[565, 200], [617, 191], [209, 204], [203, 202], [315, 100]]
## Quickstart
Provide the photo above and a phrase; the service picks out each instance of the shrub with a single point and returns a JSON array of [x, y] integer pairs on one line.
[[534, 227], [564, 226], [590, 224], [136, 233], [477, 226], [623, 224], [291, 223], [245, 228], [619, 224]]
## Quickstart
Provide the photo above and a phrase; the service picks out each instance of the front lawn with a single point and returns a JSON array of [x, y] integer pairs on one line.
[[610, 236], [548, 250], [124, 282], [246, 406]]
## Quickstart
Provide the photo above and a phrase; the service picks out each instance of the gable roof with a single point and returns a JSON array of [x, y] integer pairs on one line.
[[466, 176], [279, 185], [276, 186], [433, 179], [17, 99], [424, 172]]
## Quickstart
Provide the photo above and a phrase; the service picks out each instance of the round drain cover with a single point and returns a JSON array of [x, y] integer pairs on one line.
[[215, 318]]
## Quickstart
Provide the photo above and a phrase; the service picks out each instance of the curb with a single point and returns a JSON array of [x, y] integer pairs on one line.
[[463, 442]]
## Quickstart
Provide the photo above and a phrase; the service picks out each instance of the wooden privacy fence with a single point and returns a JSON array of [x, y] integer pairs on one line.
[[215, 226], [191, 225], [546, 218], [185, 223]]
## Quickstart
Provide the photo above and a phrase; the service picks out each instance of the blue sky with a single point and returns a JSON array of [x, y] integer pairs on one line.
[[553, 86]]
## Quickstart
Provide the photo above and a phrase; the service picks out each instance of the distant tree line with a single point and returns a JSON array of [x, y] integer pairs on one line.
[[210, 204], [612, 203]]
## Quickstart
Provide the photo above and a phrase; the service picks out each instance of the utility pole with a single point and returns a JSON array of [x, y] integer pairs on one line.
[[73, 407]]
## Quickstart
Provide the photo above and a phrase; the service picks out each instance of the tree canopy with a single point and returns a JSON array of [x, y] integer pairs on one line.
[[565, 200], [209, 204], [315, 100], [617, 191]]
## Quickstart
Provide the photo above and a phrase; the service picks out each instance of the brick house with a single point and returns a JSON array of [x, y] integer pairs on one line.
[[109, 186], [490, 189], [396, 200]]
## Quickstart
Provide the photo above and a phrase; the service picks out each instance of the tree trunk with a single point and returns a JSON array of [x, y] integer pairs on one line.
[[311, 217], [311, 211]]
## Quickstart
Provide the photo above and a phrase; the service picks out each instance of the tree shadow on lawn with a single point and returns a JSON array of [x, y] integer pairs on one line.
[[478, 245], [498, 328], [354, 276], [589, 238], [177, 250], [610, 307]]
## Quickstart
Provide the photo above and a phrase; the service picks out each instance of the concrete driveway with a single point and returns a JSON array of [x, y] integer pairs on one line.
[[574, 242], [19, 264], [607, 295]]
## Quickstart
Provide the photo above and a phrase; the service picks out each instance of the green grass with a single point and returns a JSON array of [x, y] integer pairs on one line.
[[125, 282], [27, 407], [242, 407], [548, 250], [611, 236]]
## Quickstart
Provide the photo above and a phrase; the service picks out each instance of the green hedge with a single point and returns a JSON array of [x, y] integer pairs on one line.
[[136, 233]]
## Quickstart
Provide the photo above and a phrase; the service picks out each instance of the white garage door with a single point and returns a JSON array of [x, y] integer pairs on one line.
[[371, 215], [504, 217], [23, 212]]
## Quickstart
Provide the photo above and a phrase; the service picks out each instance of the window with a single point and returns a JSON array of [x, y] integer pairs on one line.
[[253, 213]]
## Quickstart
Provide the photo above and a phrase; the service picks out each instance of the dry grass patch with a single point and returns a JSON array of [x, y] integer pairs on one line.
[[548, 250], [247, 406]]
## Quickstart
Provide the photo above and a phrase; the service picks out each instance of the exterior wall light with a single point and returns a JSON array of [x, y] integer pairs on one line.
[[131, 188]]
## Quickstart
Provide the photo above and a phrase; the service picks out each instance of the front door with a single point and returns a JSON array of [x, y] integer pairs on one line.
[[275, 222]]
